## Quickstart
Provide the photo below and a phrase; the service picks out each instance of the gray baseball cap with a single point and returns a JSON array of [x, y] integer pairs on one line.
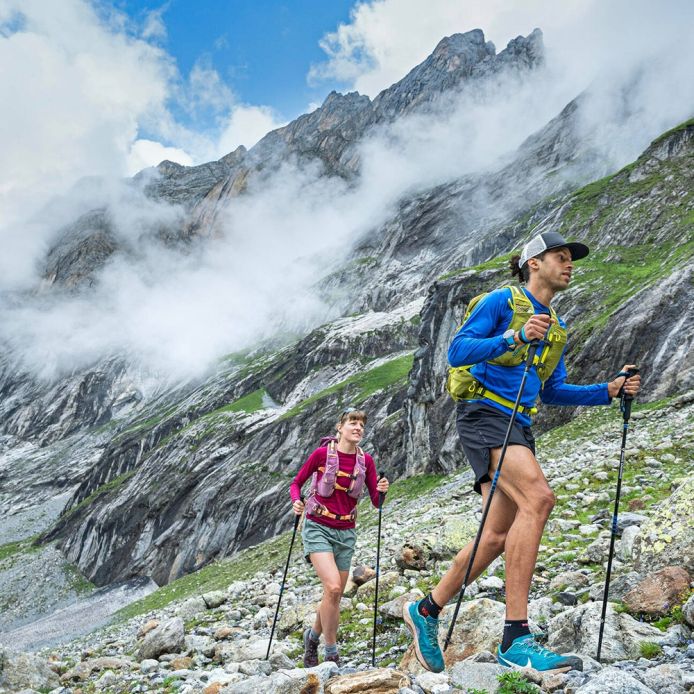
[[548, 240]]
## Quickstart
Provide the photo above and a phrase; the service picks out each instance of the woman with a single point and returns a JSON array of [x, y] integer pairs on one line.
[[340, 472]]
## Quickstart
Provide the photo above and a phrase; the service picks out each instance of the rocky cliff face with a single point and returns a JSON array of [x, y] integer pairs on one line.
[[163, 479]]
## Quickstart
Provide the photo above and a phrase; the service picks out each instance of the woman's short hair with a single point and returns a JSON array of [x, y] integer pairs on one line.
[[351, 414]]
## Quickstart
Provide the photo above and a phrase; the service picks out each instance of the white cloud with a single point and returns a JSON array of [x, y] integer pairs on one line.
[[245, 126], [178, 312], [78, 89], [154, 26], [144, 153]]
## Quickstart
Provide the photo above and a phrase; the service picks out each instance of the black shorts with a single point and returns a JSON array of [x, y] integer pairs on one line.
[[481, 428]]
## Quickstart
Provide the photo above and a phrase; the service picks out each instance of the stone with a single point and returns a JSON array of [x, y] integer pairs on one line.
[[25, 671], [659, 592], [223, 633], [149, 665], [361, 574], [482, 676], [412, 556], [566, 598], [576, 631], [688, 611], [183, 662], [166, 638], [84, 669], [280, 661], [569, 579], [491, 583], [664, 679], [200, 644], [191, 608], [247, 649], [255, 667], [613, 680], [433, 682], [619, 586], [214, 598], [540, 610], [667, 538], [147, 627], [625, 549], [393, 608], [297, 617], [386, 583], [379, 681], [596, 552]]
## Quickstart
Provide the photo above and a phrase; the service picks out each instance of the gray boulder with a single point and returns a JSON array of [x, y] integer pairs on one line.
[[470, 675], [168, 637], [25, 671], [613, 680], [576, 630], [667, 539]]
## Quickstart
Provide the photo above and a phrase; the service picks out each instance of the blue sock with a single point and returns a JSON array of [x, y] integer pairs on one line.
[[331, 649], [313, 636]]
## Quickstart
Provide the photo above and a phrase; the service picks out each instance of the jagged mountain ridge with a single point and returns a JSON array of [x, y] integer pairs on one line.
[[328, 135], [414, 430], [123, 521]]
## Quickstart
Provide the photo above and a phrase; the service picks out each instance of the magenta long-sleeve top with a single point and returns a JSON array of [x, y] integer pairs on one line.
[[339, 502]]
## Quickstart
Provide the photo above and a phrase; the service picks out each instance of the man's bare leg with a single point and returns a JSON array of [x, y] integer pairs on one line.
[[522, 481], [499, 520], [520, 507]]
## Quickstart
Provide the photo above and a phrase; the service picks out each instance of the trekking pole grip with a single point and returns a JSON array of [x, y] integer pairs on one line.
[[625, 399], [297, 516]]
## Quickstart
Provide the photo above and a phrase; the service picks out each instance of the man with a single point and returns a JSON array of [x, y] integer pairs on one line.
[[494, 340]]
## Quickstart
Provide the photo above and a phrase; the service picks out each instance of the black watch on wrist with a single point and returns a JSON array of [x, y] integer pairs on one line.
[[509, 337]]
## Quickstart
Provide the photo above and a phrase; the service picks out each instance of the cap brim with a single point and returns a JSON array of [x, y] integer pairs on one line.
[[577, 250]]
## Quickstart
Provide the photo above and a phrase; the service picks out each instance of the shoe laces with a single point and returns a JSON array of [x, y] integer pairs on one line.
[[432, 629], [539, 648]]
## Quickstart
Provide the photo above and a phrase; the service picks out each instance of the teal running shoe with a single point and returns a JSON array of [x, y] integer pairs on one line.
[[425, 631], [525, 653]]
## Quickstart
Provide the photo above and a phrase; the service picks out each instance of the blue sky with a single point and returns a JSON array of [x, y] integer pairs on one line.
[[263, 49]]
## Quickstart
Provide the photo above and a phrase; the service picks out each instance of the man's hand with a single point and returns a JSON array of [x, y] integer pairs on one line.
[[298, 507], [536, 327], [632, 385], [382, 485]]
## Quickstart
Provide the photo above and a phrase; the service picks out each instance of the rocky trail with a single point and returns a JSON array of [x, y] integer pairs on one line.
[[208, 632]]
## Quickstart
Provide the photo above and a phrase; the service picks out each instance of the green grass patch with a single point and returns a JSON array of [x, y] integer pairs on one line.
[[514, 683], [682, 126], [77, 581], [649, 650], [271, 555], [248, 403], [11, 549], [101, 491], [360, 386], [499, 263], [616, 281]]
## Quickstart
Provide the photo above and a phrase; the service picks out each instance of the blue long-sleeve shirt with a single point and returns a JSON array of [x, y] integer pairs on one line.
[[480, 340]]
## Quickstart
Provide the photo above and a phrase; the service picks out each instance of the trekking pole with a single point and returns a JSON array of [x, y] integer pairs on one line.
[[625, 406], [297, 518], [381, 495], [528, 363]]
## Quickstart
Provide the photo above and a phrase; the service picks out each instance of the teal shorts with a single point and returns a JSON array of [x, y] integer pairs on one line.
[[321, 538]]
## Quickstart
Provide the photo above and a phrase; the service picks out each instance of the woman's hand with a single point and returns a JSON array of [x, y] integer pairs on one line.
[[632, 385], [382, 485], [298, 507]]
